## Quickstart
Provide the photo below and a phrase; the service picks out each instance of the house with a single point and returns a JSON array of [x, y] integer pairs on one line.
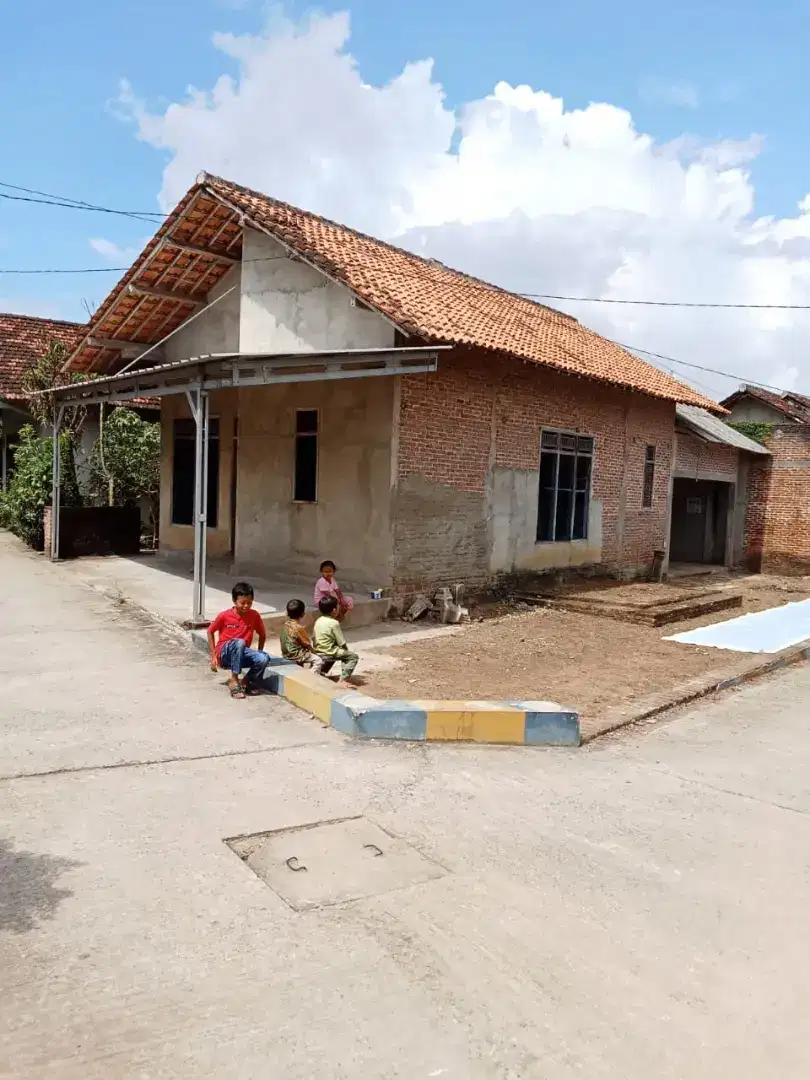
[[503, 437], [24, 340], [778, 529]]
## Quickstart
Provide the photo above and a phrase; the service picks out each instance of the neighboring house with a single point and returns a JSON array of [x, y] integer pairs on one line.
[[536, 445], [24, 340], [778, 527]]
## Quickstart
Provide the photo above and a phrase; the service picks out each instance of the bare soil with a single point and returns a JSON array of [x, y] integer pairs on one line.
[[584, 661]]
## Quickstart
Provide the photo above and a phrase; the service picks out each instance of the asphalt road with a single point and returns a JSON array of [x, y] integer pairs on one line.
[[636, 909]]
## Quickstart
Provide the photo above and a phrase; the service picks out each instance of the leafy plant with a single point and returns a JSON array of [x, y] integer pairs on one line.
[[125, 462], [758, 430], [30, 487]]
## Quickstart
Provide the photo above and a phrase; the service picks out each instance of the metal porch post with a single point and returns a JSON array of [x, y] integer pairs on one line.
[[56, 480], [4, 460], [198, 403]]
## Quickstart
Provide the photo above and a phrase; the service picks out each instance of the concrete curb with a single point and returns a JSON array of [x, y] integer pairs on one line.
[[692, 691], [530, 723]]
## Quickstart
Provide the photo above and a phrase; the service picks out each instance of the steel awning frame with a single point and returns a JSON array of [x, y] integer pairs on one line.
[[224, 371], [196, 378]]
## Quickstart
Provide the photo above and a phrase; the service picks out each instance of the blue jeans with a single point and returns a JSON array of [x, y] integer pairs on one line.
[[236, 655]]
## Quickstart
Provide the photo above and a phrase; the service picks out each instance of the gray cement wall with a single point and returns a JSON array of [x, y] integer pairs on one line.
[[756, 412], [289, 307], [286, 306], [513, 528], [216, 330], [351, 520]]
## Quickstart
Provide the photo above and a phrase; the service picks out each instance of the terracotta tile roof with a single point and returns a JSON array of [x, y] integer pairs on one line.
[[23, 340], [794, 406], [424, 298], [430, 300]]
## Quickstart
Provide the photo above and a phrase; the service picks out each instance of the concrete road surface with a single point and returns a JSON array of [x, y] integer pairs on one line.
[[637, 909]]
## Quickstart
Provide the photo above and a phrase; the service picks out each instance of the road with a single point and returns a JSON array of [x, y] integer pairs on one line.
[[635, 909]]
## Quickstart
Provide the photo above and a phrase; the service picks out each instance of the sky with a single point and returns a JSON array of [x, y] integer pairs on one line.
[[584, 150]]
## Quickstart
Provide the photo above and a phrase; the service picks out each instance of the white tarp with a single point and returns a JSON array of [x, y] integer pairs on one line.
[[767, 631]]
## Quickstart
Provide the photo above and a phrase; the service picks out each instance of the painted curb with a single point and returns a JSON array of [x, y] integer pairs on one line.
[[712, 686], [515, 723], [523, 723]]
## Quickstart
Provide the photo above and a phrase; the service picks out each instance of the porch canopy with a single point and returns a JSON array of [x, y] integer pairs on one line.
[[196, 377]]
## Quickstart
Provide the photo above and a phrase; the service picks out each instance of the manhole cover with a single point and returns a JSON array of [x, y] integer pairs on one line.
[[332, 862]]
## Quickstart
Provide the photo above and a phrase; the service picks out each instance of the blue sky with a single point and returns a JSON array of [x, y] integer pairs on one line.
[[716, 71]]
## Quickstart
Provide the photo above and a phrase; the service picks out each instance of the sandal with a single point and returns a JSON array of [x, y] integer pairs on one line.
[[237, 692], [249, 690]]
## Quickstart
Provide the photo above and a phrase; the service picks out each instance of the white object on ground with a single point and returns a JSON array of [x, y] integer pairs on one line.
[[767, 631]]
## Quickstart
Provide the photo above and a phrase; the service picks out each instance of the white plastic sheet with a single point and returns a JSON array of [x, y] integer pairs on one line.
[[767, 631]]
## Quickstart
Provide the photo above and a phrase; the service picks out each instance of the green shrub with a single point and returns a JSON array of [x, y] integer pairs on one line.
[[29, 490], [758, 430]]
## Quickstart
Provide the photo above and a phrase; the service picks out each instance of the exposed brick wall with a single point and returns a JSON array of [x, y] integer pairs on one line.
[[701, 460], [777, 529], [478, 412]]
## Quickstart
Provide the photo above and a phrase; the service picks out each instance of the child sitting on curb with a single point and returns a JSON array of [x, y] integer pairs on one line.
[[295, 643], [327, 585], [330, 644], [236, 627]]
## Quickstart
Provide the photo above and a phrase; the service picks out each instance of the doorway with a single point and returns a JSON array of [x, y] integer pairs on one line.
[[700, 521]]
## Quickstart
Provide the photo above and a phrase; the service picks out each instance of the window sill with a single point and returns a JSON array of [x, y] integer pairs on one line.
[[556, 543]]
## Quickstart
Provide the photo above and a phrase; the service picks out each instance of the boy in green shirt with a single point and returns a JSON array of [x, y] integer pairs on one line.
[[329, 643]]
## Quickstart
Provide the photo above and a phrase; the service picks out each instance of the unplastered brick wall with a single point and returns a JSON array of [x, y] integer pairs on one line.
[[777, 532], [700, 460], [480, 411]]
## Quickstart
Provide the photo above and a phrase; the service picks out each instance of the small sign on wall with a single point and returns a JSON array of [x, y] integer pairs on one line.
[[694, 506]]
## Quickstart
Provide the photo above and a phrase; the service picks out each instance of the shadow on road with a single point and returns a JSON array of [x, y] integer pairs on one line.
[[28, 890]]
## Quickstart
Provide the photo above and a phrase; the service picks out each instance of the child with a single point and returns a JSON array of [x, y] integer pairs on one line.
[[233, 651], [295, 643], [330, 644], [326, 585]]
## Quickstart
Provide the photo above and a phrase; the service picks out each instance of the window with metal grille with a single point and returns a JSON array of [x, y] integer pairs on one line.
[[184, 442], [566, 462], [648, 487], [305, 483]]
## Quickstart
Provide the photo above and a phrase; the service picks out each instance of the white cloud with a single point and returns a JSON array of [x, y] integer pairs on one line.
[[114, 253], [512, 187], [680, 92]]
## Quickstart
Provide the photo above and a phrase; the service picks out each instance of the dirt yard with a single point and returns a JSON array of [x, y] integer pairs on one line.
[[589, 663]]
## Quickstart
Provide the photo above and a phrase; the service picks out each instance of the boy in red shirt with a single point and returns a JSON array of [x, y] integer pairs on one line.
[[233, 651]]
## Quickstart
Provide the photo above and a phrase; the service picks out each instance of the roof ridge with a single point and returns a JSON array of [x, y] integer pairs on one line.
[[486, 285], [41, 319]]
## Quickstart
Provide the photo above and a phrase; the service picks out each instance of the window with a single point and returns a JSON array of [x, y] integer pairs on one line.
[[649, 478], [184, 435], [305, 484], [565, 486]]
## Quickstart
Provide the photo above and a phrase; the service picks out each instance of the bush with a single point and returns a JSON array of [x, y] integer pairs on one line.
[[29, 490], [30, 487]]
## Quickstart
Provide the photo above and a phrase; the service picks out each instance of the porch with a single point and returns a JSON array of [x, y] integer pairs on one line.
[[205, 498]]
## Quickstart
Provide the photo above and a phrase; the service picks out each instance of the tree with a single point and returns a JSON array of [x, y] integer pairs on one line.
[[125, 462], [47, 374]]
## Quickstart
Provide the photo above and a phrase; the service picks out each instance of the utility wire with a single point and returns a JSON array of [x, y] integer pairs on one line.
[[668, 303], [78, 204]]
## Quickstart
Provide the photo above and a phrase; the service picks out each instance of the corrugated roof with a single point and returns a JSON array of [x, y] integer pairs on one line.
[[715, 430], [424, 298], [24, 339]]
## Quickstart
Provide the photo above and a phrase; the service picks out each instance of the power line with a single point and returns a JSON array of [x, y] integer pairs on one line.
[[45, 198], [700, 367], [668, 303]]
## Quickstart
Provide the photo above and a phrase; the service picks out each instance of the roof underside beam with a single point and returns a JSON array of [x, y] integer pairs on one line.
[[235, 371]]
